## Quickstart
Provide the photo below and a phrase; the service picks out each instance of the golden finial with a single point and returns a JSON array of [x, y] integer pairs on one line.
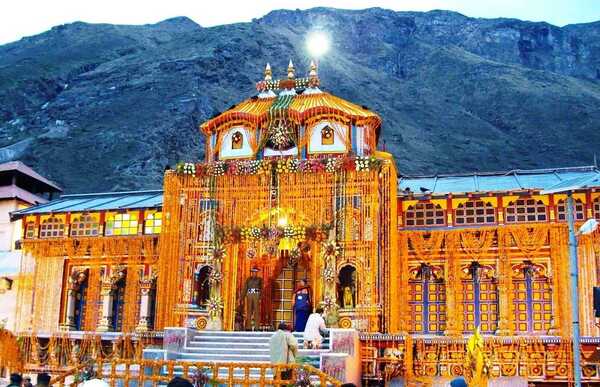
[[313, 69], [291, 70], [268, 73]]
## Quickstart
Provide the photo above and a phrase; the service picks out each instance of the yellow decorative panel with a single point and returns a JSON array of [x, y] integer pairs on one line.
[[122, 224], [153, 223]]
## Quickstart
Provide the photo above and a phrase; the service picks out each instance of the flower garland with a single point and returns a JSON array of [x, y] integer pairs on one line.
[[263, 233], [218, 254], [280, 166], [214, 306], [215, 277], [329, 304]]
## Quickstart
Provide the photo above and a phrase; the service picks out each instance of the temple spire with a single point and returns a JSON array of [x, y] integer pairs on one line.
[[291, 70], [268, 73], [313, 69]]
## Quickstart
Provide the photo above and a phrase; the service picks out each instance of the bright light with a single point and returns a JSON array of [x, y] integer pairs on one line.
[[317, 43], [282, 222]]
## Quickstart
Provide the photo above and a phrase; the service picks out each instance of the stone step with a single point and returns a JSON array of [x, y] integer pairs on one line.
[[262, 350], [264, 345]]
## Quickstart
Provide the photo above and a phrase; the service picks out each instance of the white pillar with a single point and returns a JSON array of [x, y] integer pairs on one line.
[[69, 323], [105, 323], [145, 302]]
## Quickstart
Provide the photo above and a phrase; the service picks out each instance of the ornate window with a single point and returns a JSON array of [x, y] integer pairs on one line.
[[532, 306], [85, 225], [237, 140], [122, 224], [118, 302], [79, 286], [475, 212], [597, 208], [30, 230], [327, 135], [427, 300], [153, 223], [202, 286], [561, 209], [52, 228], [425, 214], [348, 287], [526, 210], [480, 299]]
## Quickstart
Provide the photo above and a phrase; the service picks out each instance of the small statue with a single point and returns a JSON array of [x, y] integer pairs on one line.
[[348, 298]]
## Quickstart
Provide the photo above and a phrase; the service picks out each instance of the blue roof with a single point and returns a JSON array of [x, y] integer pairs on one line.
[[96, 202], [515, 180]]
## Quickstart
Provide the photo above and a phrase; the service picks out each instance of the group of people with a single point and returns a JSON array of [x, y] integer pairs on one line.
[[18, 380]]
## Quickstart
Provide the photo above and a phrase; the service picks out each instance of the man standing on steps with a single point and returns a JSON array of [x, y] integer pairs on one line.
[[283, 349], [252, 292]]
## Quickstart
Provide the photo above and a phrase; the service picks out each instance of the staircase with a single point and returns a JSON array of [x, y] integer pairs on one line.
[[241, 347]]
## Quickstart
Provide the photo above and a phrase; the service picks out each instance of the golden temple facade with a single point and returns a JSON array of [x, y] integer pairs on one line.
[[293, 185]]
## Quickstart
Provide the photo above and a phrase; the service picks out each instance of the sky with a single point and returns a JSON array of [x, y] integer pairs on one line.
[[19, 18]]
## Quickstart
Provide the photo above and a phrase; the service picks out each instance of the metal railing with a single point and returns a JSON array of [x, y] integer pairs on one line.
[[152, 373]]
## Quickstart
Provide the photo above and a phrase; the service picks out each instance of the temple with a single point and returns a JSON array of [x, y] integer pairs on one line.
[[294, 186]]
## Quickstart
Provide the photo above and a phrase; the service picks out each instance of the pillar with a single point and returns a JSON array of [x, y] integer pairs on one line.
[[107, 305], [69, 322], [454, 316], [505, 288], [145, 304]]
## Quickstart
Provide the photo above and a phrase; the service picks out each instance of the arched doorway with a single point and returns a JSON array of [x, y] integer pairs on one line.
[[203, 286], [283, 291]]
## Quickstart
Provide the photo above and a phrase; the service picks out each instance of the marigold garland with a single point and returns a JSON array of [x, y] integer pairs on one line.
[[280, 166]]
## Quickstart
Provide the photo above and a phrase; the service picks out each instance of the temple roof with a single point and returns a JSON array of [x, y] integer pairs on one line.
[[514, 180], [96, 202], [301, 107], [23, 169]]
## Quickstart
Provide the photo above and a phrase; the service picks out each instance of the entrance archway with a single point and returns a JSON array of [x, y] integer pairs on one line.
[[283, 292]]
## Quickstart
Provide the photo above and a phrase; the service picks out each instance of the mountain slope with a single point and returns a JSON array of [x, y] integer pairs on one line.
[[104, 107]]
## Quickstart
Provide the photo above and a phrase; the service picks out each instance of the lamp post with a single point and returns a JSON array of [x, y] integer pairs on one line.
[[568, 187], [574, 274]]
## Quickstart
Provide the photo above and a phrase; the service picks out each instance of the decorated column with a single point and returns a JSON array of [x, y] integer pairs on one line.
[[146, 285], [69, 323], [329, 253], [453, 291], [504, 287], [215, 302], [106, 294]]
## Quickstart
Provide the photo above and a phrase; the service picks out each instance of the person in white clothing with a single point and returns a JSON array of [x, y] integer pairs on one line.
[[315, 326]]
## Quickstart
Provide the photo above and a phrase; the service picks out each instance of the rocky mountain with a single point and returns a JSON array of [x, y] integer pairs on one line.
[[105, 107]]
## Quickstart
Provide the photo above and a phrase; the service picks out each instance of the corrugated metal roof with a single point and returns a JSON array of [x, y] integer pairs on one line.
[[515, 180], [96, 202]]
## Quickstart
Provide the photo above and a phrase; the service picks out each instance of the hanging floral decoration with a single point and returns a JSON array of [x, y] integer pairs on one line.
[[281, 137], [280, 166], [294, 257], [214, 306], [329, 273], [218, 254], [215, 276], [264, 233], [186, 168], [297, 83], [329, 304], [251, 253], [331, 250]]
